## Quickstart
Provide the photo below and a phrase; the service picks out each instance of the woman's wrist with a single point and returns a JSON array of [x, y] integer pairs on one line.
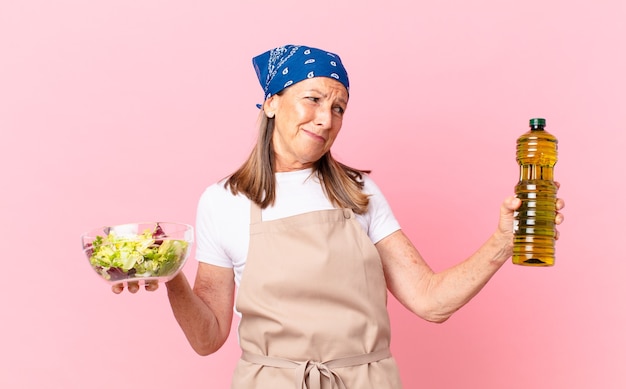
[[177, 284], [503, 243]]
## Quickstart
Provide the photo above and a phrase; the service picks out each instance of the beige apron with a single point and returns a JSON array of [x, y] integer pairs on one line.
[[313, 301]]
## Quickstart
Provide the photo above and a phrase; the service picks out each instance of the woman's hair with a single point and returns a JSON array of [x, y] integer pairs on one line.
[[255, 178]]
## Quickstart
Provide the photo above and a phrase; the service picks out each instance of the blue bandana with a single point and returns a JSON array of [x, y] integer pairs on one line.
[[283, 66]]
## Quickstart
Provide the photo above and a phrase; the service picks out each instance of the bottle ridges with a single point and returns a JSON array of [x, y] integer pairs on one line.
[[534, 223]]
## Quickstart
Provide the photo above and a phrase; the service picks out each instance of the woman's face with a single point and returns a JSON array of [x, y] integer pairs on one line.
[[308, 116]]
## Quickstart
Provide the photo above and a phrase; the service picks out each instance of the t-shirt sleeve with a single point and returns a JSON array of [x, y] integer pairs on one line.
[[209, 248], [381, 220]]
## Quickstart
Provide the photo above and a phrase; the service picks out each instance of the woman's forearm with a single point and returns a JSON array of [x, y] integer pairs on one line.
[[205, 327], [451, 289]]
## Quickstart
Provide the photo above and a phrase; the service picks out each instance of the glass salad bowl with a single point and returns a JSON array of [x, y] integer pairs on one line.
[[140, 252]]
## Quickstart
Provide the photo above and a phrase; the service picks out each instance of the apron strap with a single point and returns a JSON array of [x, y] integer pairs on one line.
[[316, 370]]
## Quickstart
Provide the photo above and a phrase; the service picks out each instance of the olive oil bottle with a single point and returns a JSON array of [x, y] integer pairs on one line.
[[534, 238]]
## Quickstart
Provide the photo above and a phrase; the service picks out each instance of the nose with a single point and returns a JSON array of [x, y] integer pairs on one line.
[[324, 117]]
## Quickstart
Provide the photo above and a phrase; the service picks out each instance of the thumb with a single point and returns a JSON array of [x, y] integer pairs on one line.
[[510, 204]]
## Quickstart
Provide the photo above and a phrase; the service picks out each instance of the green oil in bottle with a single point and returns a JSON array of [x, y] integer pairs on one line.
[[535, 233]]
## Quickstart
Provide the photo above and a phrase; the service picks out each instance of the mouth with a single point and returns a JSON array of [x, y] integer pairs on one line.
[[315, 136]]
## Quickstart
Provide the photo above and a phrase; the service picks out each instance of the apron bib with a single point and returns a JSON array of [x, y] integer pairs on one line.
[[313, 301]]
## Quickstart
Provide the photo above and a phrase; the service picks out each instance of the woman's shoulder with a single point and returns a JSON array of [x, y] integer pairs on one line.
[[219, 195], [369, 184]]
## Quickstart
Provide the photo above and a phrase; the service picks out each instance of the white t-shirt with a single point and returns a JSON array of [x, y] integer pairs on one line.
[[223, 220]]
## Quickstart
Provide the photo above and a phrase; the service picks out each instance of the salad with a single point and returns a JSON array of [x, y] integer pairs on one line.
[[123, 254]]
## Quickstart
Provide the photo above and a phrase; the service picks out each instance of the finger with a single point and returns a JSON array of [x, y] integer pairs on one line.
[[558, 219], [557, 234], [117, 288], [133, 287], [511, 203], [151, 286], [558, 184], [560, 204]]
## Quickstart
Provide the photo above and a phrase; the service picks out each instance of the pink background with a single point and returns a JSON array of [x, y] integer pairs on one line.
[[117, 111]]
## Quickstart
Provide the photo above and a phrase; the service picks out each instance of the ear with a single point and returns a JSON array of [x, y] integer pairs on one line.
[[271, 104]]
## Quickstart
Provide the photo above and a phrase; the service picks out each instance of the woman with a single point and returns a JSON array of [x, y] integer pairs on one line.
[[311, 247]]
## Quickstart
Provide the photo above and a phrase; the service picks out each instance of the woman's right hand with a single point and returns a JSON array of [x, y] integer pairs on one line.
[[133, 287]]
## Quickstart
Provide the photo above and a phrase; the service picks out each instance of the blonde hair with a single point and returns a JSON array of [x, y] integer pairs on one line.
[[255, 178]]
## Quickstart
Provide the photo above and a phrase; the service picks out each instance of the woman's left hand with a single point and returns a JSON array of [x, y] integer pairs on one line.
[[507, 211]]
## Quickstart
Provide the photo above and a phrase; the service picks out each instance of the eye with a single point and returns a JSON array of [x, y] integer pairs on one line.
[[313, 99], [340, 110]]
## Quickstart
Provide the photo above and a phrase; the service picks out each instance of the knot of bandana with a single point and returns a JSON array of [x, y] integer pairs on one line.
[[286, 65]]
